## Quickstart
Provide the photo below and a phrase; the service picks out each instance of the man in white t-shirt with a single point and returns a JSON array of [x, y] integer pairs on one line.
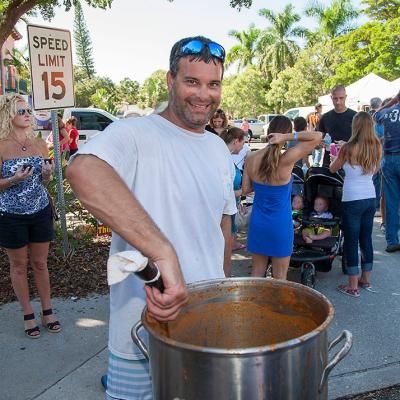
[[164, 186]]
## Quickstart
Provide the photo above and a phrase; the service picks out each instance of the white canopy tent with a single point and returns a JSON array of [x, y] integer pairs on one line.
[[360, 92], [396, 85]]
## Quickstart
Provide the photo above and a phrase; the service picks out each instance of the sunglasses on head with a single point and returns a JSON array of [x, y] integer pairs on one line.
[[22, 111], [196, 46]]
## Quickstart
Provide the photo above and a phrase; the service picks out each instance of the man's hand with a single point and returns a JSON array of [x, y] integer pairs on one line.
[[166, 306]]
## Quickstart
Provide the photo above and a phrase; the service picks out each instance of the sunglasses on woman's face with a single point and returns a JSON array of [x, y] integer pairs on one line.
[[22, 111]]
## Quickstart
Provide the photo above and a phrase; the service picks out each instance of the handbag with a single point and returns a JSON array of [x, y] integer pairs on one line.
[[54, 212]]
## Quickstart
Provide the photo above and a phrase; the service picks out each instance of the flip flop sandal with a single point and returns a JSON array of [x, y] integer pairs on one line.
[[349, 291], [52, 327], [366, 286], [32, 333]]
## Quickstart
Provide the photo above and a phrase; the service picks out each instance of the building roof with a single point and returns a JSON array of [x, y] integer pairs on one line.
[[15, 34]]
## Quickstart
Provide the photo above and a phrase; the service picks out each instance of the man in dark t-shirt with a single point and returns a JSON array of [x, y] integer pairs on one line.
[[389, 116], [337, 122]]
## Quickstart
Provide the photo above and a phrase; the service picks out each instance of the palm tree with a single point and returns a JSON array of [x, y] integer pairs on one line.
[[277, 47], [334, 20], [246, 50]]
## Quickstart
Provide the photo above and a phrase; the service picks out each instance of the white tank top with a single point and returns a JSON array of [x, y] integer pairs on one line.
[[357, 186]]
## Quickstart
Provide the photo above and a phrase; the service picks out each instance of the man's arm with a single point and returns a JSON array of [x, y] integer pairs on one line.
[[226, 227], [105, 195], [321, 125], [390, 103]]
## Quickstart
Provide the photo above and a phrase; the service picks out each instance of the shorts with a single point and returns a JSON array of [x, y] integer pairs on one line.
[[18, 230], [128, 379]]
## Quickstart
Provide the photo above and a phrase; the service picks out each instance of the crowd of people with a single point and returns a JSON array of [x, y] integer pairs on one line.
[[68, 136], [340, 139], [179, 177]]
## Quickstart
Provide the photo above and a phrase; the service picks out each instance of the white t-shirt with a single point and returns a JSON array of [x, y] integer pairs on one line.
[[184, 180], [357, 186], [240, 158]]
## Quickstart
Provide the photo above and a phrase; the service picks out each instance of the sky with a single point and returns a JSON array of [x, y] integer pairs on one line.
[[134, 37]]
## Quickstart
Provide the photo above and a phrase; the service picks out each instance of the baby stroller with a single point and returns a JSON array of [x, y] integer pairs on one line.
[[298, 181], [318, 255]]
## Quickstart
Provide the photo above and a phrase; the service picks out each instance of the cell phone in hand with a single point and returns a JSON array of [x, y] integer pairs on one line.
[[26, 166]]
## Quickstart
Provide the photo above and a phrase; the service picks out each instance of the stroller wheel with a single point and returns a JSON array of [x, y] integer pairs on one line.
[[308, 275]]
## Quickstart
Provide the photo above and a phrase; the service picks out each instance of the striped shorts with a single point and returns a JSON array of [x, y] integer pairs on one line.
[[128, 379]]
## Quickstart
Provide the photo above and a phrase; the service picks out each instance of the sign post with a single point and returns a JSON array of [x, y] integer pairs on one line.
[[50, 58]]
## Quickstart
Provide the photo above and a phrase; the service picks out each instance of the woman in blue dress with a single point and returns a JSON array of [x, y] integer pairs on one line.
[[268, 173], [26, 225]]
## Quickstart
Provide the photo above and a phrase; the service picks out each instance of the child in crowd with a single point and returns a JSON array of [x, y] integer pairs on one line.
[[318, 232], [73, 135], [297, 210]]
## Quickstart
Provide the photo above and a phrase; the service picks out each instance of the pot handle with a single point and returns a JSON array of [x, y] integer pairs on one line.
[[338, 356], [139, 342]]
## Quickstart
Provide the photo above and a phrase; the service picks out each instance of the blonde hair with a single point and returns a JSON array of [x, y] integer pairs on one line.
[[270, 160], [369, 148], [8, 110]]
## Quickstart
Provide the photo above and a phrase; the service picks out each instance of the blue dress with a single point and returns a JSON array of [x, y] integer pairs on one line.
[[271, 227]]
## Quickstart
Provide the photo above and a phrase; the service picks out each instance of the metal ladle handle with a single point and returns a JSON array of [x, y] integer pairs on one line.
[[138, 341], [338, 356]]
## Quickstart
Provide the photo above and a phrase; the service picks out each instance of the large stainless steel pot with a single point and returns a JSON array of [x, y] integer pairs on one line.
[[243, 339]]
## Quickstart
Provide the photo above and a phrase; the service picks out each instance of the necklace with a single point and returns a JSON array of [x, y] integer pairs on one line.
[[23, 145]]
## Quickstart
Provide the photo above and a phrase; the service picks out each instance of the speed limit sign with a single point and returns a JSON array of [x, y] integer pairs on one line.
[[51, 67]]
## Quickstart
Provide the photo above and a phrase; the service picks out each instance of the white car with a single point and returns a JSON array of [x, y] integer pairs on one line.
[[256, 126], [292, 113]]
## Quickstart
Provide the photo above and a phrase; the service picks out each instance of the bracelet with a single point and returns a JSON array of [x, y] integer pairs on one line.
[[9, 180], [295, 135]]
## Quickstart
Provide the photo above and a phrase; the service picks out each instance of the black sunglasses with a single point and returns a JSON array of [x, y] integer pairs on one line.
[[22, 111], [196, 46]]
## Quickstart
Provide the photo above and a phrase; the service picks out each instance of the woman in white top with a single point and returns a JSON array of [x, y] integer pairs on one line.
[[360, 158]]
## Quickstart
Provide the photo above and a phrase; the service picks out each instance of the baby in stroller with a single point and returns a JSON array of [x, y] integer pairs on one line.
[[318, 231], [297, 210], [320, 216]]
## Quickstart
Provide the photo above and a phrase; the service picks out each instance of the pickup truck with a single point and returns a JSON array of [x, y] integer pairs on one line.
[[89, 121], [255, 126]]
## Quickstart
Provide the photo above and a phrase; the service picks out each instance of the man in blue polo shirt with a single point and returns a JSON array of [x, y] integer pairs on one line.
[[389, 116]]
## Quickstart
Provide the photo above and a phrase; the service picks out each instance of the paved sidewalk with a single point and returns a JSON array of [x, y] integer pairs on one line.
[[68, 366]]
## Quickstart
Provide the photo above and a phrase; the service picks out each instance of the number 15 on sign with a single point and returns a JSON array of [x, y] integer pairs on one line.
[[54, 79], [51, 67]]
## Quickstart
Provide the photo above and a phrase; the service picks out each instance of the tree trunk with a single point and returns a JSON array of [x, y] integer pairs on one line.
[[14, 11]]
